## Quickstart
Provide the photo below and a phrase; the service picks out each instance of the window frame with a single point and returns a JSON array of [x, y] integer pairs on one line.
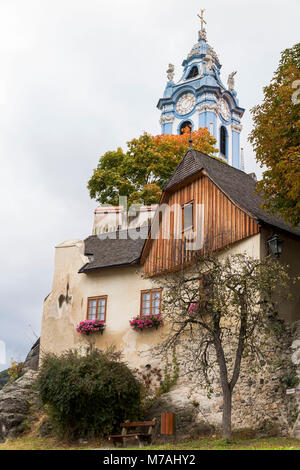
[[97, 298], [191, 227], [150, 291]]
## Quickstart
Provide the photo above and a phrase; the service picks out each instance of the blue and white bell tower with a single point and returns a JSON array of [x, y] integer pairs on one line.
[[199, 99]]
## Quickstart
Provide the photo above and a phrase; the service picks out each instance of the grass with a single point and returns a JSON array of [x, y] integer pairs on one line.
[[274, 443], [49, 443]]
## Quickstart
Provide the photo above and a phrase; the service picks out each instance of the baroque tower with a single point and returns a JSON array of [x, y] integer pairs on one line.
[[199, 99]]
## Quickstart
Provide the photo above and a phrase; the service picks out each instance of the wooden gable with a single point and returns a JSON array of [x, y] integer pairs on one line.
[[218, 222]]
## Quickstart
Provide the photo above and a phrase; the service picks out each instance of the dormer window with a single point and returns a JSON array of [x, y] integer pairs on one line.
[[193, 72]]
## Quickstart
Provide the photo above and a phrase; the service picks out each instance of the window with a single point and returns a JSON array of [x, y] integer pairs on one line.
[[96, 309], [223, 141], [150, 302], [193, 72], [188, 216], [186, 126]]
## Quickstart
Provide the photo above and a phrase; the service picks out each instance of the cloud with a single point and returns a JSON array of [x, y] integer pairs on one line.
[[79, 78]]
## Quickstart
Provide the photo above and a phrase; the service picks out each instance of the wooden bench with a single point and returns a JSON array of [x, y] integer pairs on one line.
[[142, 432]]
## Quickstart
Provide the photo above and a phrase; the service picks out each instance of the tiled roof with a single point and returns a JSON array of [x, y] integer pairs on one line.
[[236, 184], [123, 248]]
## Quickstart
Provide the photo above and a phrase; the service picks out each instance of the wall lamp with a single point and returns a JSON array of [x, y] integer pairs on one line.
[[275, 245]]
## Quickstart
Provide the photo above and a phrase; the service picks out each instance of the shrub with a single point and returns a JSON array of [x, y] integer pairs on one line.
[[88, 396], [15, 370]]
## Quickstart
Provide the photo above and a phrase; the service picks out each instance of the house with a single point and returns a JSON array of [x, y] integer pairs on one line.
[[208, 203], [115, 274], [113, 277]]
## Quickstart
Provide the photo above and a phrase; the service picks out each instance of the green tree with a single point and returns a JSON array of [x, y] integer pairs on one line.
[[220, 313], [141, 172], [276, 138]]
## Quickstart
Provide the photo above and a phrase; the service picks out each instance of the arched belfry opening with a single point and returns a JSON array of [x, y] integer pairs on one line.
[[185, 126], [193, 72], [223, 141]]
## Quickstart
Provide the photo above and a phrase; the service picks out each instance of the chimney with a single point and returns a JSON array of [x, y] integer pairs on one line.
[[253, 176], [110, 219]]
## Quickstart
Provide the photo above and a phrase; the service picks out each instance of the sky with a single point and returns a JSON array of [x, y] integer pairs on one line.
[[81, 77]]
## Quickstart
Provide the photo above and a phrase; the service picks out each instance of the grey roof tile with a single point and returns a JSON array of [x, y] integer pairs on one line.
[[239, 186], [123, 248]]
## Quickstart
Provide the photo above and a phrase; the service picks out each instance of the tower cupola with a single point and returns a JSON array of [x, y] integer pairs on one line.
[[200, 99]]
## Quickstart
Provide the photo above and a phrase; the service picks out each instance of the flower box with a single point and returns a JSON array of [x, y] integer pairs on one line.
[[87, 327], [146, 322]]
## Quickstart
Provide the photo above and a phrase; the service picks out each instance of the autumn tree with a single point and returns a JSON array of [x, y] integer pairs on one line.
[[276, 138], [220, 312], [141, 172]]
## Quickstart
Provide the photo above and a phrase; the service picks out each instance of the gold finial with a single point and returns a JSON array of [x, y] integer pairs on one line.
[[202, 19]]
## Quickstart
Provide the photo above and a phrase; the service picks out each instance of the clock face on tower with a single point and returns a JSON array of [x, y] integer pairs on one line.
[[186, 103], [224, 109]]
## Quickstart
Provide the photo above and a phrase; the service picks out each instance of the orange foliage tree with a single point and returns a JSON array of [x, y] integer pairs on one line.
[[141, 172]]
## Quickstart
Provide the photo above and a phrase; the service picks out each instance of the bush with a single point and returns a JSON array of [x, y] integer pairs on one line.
[[88, 396], [15, 370]]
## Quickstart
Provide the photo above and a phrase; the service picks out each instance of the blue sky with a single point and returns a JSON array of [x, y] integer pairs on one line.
[[79, 78]]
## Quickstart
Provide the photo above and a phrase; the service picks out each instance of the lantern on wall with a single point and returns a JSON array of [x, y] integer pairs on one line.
[[275, 245]]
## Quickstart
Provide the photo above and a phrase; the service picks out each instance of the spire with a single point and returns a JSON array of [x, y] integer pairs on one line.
[[202, 19], [202, 32]]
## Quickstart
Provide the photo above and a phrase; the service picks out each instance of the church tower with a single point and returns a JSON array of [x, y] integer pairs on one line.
[[199, 99]]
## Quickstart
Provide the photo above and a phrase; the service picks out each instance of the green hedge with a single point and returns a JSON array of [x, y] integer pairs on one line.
[[90, 395]]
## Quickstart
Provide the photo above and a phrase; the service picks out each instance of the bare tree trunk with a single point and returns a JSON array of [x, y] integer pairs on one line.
[[226, 419], [226, 388]]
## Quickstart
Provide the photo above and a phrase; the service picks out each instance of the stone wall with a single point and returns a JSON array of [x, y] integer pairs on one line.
[[259, 399], [260, 403], [296, 361]]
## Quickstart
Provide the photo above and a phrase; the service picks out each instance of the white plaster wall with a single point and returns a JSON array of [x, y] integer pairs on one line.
[[250, 246], [122, 287]]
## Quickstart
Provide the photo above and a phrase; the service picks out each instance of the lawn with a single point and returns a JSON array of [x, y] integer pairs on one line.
[[274, 443]]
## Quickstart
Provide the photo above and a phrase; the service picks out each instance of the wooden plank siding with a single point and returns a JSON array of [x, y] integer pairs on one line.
[[224, 223]]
